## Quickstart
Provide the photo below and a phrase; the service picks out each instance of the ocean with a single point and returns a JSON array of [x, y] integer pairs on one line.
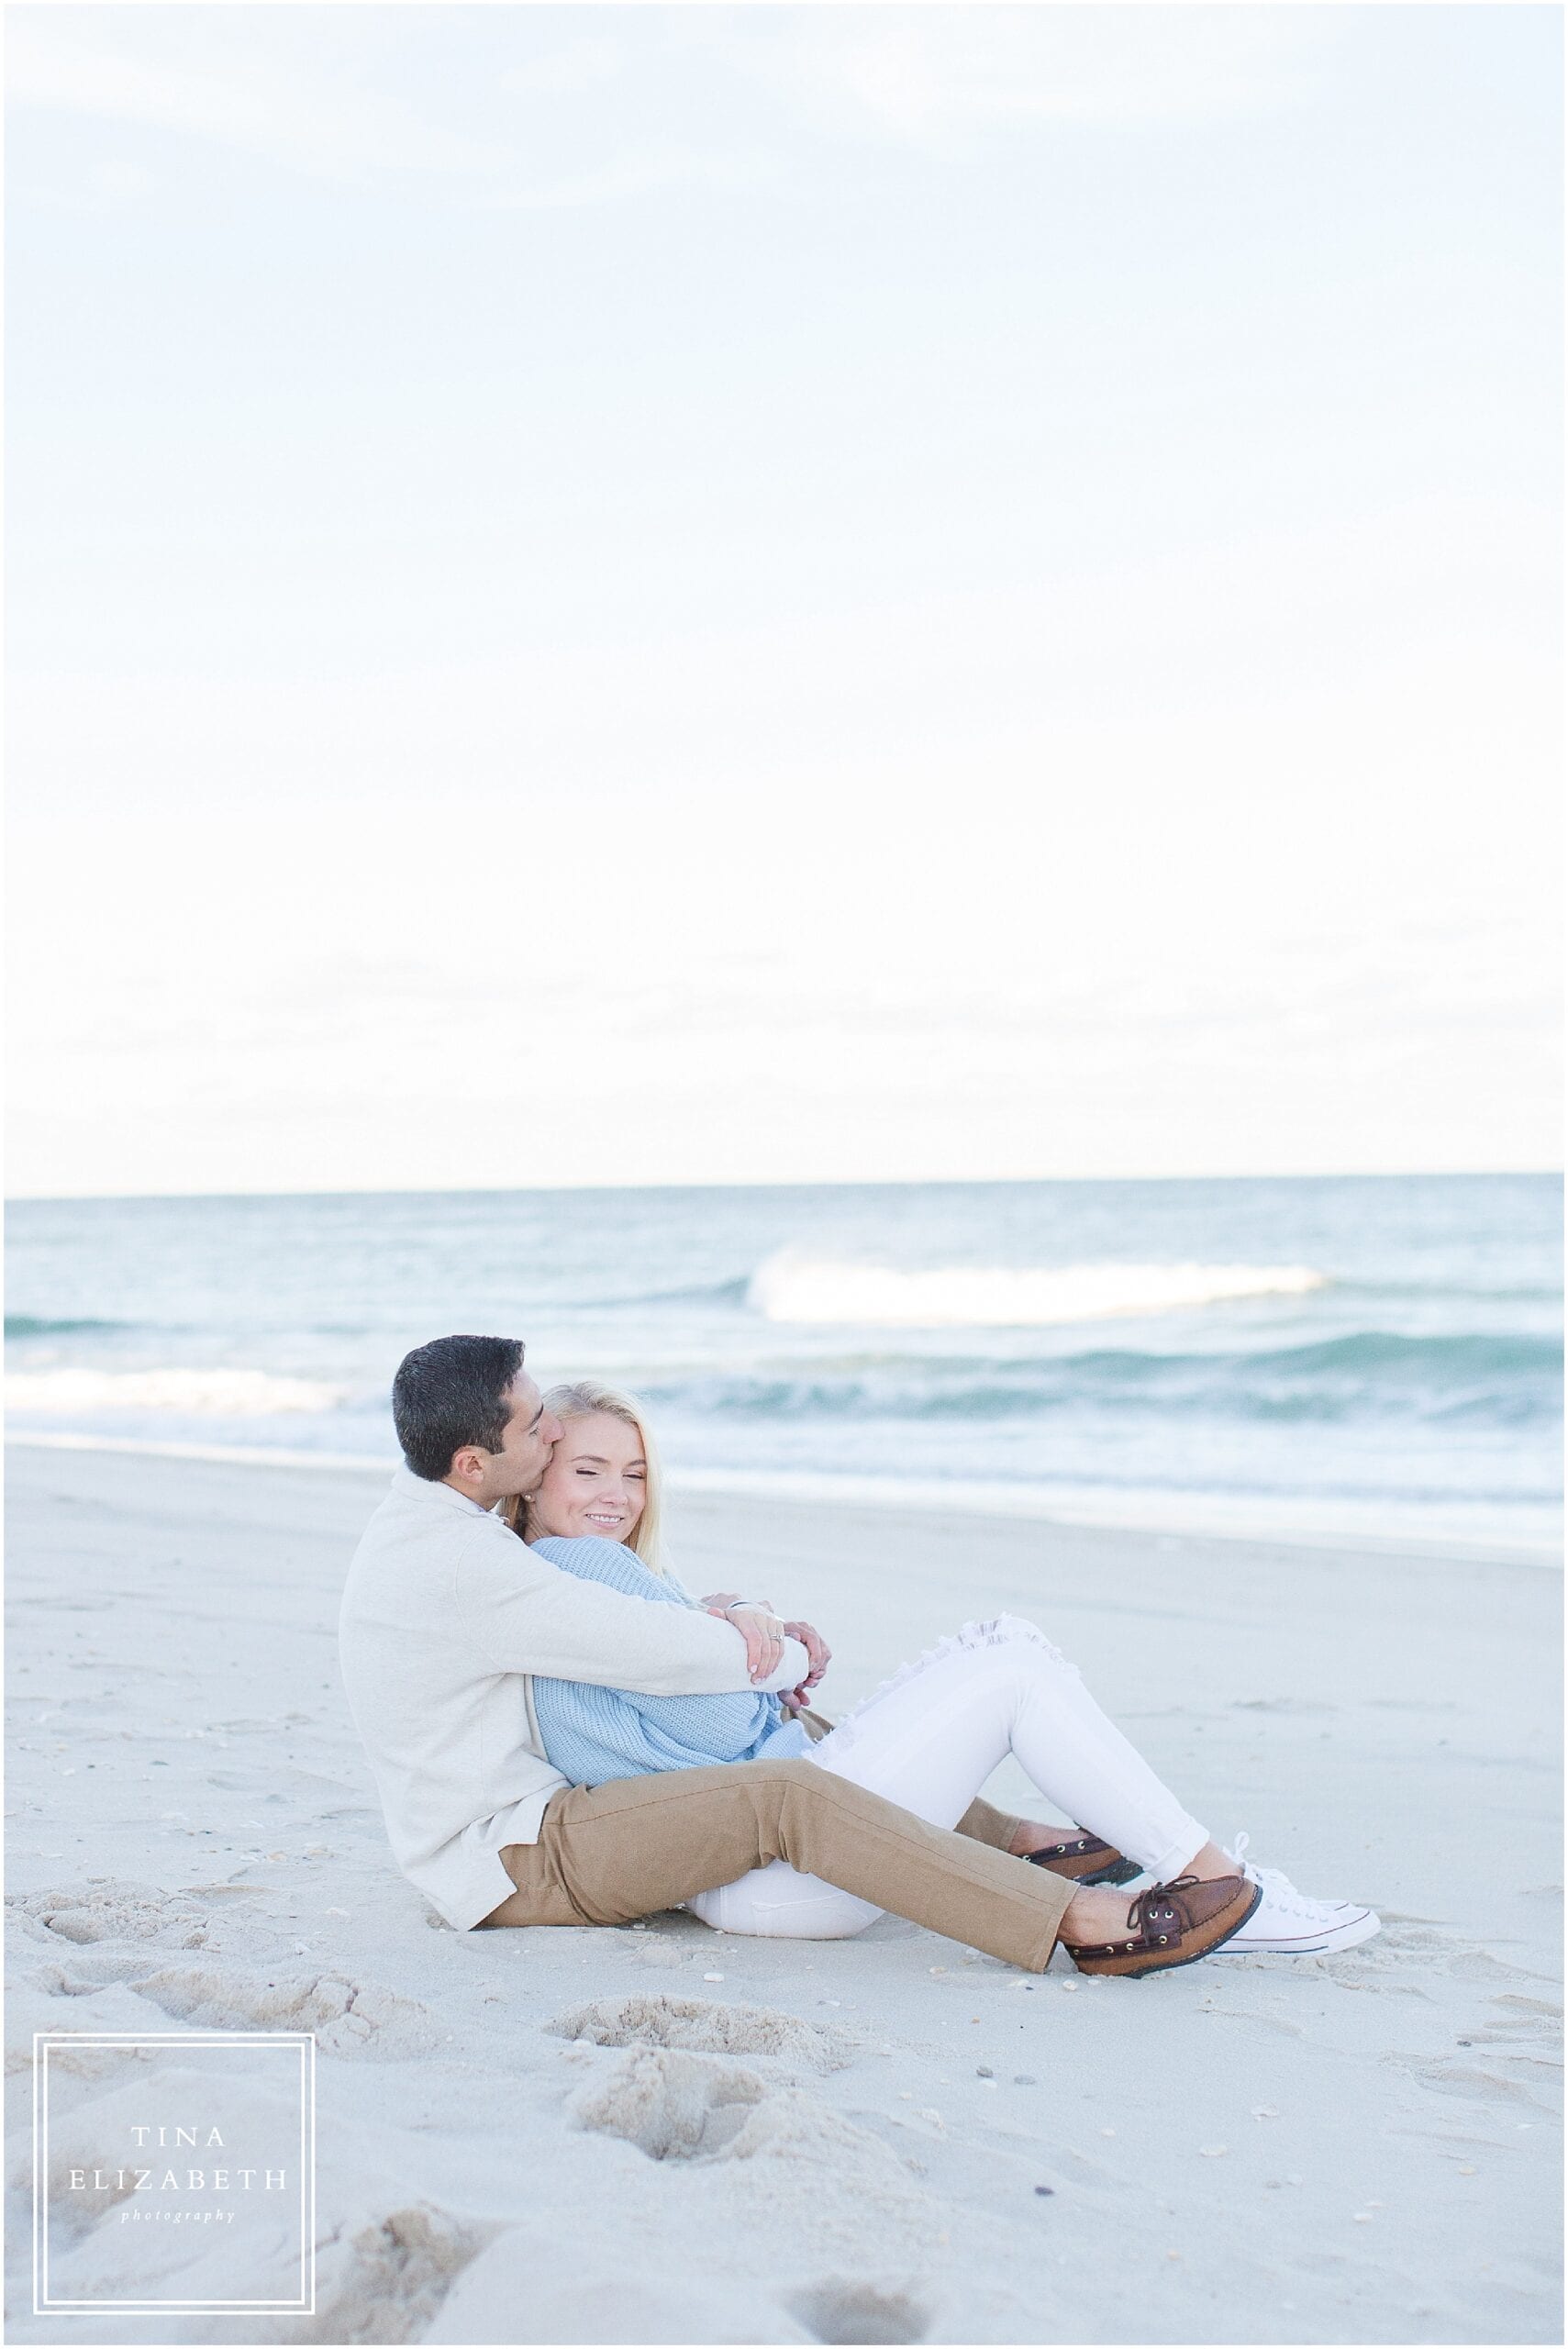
[[1370, 1355]]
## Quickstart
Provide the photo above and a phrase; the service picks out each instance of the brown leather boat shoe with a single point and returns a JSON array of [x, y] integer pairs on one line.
[[1172, 1924], [1083, 1859]]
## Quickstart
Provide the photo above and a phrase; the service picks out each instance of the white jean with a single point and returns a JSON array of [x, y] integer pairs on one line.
[[930, 1737]]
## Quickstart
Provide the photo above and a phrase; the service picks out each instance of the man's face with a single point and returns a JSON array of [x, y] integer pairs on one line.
[[531, 1437], [532, 1433]]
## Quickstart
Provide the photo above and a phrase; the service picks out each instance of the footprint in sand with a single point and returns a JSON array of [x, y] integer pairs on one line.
[[671, 2106], [116, 1912], [706, 2028], [844, 2311], [677, 2107], [348, 2019], [386, 2280]]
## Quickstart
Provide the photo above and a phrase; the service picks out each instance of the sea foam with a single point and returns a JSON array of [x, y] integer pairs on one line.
[[791, 1287], [212, 1394]]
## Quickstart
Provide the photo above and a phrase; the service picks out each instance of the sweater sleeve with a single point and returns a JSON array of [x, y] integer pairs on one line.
[[593, 1733], [527, 1615]]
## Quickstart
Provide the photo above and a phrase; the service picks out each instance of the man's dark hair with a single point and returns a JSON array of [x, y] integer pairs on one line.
[[452, 1392]]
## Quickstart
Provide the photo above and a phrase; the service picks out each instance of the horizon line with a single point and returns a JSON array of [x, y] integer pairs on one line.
[[836, 1182]]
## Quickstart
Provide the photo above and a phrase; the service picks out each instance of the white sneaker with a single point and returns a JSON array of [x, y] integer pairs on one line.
[[1288, 1922]]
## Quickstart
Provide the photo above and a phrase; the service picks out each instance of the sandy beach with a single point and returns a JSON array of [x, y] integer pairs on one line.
[[659, 2134]]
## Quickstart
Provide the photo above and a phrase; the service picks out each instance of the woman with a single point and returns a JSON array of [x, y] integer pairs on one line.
[[928, 1739]]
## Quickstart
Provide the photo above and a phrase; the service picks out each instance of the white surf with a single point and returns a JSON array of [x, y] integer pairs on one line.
[[791, 1287]]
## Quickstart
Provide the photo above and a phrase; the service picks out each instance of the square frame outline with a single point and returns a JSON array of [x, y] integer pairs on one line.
[[302, 2041]]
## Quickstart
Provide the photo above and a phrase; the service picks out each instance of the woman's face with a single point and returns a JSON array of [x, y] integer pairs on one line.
[[597, 1481]]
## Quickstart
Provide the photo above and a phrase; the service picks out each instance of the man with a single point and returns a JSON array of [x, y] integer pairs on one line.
[[446, 1616]]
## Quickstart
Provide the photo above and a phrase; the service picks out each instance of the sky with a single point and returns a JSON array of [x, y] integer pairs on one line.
[[609, 595]]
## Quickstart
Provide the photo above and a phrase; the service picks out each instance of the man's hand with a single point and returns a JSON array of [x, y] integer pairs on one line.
[[762, 1632], [821, 1656]]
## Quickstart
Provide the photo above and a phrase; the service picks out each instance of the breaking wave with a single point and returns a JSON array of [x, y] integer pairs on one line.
[[206, 1394], [789, 1288]]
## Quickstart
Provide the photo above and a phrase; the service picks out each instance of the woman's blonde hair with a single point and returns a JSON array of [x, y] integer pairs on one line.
[[580, 1400]]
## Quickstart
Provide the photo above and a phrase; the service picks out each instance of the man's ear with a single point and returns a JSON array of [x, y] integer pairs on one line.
[[468, 1462]]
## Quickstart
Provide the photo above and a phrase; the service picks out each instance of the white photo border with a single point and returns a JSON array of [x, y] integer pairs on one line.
[[304, 2044]]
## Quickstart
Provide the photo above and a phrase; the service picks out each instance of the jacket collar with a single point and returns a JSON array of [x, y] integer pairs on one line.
[[419, 1489]]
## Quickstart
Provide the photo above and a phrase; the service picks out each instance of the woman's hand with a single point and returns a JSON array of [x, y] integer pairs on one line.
[[763, 1635], [821, 1655]]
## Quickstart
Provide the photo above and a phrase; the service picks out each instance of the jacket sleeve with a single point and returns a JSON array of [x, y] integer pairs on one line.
[[527, 1615]]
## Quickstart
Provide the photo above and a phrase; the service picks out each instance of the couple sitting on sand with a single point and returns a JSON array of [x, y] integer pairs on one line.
[[562, 1736]]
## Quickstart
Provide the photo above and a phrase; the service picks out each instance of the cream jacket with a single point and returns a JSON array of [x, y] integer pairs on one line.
[[445, 1616]]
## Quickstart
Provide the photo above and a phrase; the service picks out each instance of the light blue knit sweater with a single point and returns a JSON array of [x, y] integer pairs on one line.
[[592, 1733]]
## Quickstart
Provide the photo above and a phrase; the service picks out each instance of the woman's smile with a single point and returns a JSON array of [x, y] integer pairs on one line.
[[597, 1482]]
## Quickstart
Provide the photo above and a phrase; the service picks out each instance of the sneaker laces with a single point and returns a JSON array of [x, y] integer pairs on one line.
[[1278, 1889], [1254, 1875]]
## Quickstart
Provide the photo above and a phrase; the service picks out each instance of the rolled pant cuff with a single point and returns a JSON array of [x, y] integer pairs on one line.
[[1179, 1857]]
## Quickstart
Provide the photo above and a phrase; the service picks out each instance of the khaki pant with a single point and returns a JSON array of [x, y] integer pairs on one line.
[[607, 1854]]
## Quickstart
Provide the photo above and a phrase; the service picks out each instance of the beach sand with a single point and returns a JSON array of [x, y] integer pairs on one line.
[[660, 2134]]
